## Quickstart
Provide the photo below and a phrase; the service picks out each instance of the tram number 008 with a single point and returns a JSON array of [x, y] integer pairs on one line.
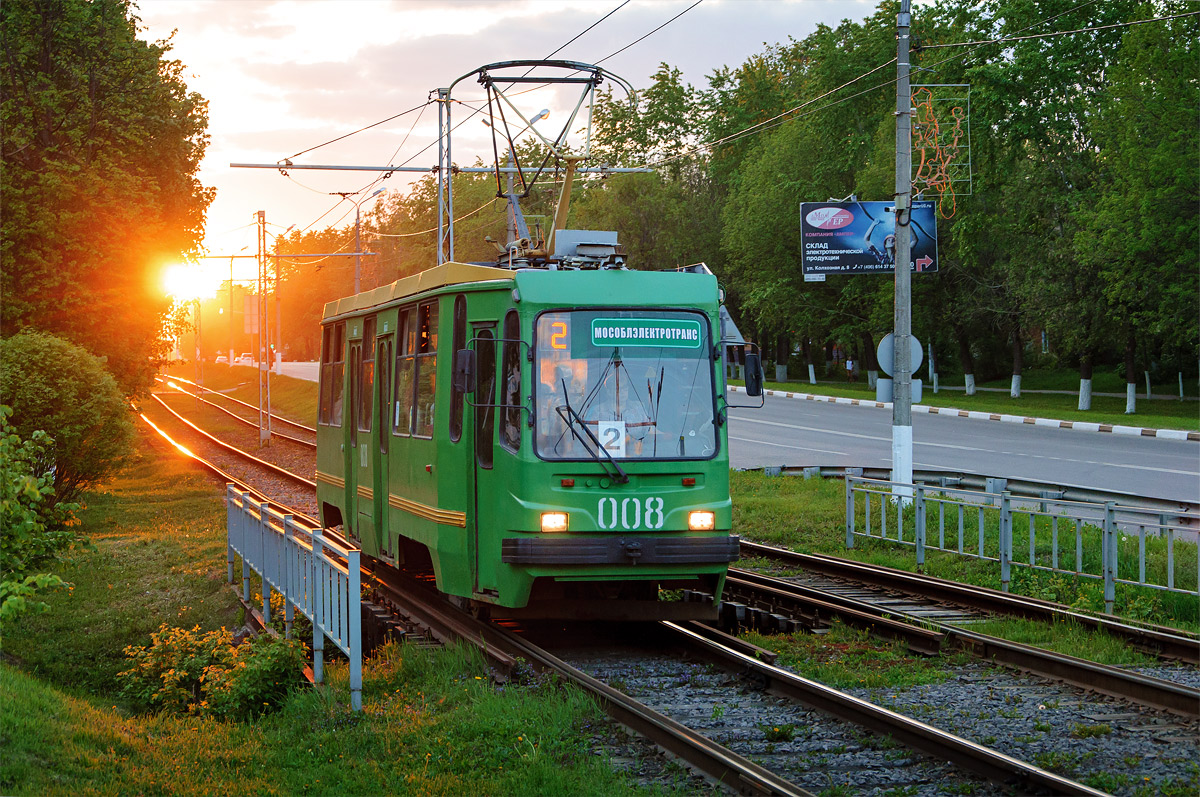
[[630, 513]]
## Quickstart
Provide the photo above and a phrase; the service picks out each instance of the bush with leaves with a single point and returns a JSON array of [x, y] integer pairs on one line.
[[206, 674], [33, 528], [58, 387]]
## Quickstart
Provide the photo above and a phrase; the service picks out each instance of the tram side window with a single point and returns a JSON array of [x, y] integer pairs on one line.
[[510, 386], [427, 340], [402, 416], [333, 367], [366, 376], [485, 396], [326, 402], [459, 341]]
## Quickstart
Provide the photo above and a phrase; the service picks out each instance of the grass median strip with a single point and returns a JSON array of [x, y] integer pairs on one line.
[[1154, 414]]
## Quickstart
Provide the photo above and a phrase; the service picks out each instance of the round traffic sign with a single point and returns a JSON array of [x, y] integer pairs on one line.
[[886, 354]]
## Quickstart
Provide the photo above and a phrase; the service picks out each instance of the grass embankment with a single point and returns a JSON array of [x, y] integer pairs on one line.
[[1152, 413], [291, 398], [434, 722], [809, 516]]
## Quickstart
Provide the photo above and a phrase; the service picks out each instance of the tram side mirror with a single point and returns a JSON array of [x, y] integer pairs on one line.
[[464, 371], [754, 375]]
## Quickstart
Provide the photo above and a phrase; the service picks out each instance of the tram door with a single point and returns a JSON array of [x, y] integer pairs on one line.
[[365, 450], [350, 432], [484, 435], [383, 371]]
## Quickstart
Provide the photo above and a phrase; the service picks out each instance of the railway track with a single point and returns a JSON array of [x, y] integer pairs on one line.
[[310, 434], [717, 761], [890, 583], [779, 597]]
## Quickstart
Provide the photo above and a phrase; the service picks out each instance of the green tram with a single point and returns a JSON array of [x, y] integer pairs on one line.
[[550, 442]]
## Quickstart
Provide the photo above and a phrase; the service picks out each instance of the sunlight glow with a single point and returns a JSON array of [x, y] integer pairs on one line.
[[186, 282]]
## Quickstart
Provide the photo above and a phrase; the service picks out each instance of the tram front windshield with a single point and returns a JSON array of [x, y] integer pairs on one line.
[[638, 383]]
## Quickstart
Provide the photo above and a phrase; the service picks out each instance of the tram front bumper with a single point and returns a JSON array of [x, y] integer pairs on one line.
[[625, 549]]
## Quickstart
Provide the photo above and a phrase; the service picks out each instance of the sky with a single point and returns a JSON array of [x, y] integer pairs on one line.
[[281, 76]]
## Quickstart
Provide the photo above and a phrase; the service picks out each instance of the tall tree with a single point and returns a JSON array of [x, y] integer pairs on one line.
[[1140, 234], [101, 143]]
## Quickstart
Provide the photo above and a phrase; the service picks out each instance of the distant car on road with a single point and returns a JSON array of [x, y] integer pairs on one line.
[[222, 359], [245, 358]]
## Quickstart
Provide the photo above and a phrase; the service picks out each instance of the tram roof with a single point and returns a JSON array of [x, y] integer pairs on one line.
[[436, 277]]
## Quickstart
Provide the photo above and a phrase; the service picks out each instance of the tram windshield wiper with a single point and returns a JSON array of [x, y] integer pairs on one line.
[[571, 419]]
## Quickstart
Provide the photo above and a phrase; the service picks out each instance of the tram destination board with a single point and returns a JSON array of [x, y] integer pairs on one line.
[[860, 237]]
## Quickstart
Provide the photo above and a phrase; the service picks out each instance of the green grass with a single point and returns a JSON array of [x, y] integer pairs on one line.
[[1066, 638], [434, 721], [845, 658], [1157, 414], [808, 515]]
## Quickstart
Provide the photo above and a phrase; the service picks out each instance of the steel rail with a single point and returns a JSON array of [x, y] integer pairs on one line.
[[279, 418], [1113, 681], [228, 477], [1161, 641], [714, 760], [239, 418], [984, 761], [271, 466]]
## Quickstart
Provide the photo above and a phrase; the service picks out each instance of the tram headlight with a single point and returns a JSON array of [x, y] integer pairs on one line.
[[702, 520], [554, 521]]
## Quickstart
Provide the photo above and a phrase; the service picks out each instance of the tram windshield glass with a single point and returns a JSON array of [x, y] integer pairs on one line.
[[638, 383]]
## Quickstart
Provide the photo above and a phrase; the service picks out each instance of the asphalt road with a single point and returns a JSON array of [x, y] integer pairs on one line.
[[797, 433]]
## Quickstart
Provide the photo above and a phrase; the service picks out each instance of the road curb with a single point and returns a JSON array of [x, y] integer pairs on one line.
[[1083, 426]]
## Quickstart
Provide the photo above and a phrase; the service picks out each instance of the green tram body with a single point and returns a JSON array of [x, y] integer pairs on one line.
[[421, 475]]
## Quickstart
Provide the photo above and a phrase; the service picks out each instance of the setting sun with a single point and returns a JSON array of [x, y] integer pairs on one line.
[[189, 281]]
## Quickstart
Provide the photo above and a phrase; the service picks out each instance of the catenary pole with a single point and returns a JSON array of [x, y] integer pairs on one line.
[[902, 457]]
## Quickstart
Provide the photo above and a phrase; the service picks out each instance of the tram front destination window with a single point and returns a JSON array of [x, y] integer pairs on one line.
[[639, 383]]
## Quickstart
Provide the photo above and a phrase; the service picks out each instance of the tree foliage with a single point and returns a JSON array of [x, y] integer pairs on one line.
[[34, 528], [101, 142], [60, 389], [1080, 218]]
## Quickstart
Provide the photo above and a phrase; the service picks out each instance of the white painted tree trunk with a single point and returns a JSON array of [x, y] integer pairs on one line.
[[1015, 390], [1130, 398], [781, 372], [1147, 373], [812, 374], [970, 380], [872, 376], [1085, 394]]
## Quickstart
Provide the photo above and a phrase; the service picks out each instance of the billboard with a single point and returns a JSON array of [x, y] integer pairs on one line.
[[860, 237]]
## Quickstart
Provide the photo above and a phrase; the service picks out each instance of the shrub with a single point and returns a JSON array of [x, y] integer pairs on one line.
[[189, 672], [33, 528], [57, 387]]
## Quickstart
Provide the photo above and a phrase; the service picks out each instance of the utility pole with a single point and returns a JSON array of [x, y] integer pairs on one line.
[[902, 440], [264, 336], [231, 329]]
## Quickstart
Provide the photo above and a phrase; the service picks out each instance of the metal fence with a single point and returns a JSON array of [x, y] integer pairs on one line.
[[1103, 541], [311, 573]]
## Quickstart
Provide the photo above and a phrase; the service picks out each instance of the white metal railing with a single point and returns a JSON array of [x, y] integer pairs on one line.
[[1103, 541], [310, 572]]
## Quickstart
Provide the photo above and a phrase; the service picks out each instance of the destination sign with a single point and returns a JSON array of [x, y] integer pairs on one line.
[[661, 332]]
